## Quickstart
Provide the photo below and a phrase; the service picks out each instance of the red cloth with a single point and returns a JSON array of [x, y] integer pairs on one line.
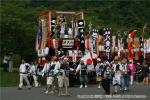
[[130, 47], [132, 55], [42, 61], [87, 44], [77, 43], [53, 43], [49, 42], [89, 61], [132, 34]]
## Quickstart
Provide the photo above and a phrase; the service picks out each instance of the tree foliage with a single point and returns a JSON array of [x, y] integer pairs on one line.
[[19, 19]]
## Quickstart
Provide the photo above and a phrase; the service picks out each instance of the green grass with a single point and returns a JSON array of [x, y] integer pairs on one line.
[[9, 79]]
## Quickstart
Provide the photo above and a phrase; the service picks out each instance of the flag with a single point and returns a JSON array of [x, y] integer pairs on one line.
[[87, 58], [40, 36], [37, 42], [113, 42], [87, 44], [107, 40], [53, 43], [44, 34]]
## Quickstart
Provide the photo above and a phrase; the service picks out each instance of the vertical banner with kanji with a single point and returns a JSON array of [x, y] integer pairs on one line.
[[107, 42], [81, 34]]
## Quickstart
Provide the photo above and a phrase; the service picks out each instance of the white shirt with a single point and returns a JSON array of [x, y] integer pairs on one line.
[[114, 67], [97, 67], [33, 69], [57, 67], [6, 59], [22, 68], [79, 69], [46, 67]]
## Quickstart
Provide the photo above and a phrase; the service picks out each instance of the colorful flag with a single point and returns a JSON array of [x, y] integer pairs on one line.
[[44, 33], [37, 42], [40, 36], [87, 44]]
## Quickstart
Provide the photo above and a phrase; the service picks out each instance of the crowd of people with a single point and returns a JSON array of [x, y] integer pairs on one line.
[[119, 73]]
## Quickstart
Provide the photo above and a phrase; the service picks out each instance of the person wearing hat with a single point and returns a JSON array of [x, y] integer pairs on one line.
[[98, 68], [82, 69]]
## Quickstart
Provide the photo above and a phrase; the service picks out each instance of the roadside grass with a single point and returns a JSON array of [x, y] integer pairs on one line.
[[9, 78]]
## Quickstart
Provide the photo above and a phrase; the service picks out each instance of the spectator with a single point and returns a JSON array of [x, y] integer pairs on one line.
[[11, 62], [6, 62]]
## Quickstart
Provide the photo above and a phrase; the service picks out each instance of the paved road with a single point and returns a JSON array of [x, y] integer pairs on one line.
[[140, 91]]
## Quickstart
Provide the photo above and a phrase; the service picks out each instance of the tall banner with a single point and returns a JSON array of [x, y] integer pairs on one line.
[[52, 25], [44, 33], [94, 38], [107, 41], [39, 36], [87, 44], [37, 42], [49, 23], [113, 43], [120, 45], [81, 34]]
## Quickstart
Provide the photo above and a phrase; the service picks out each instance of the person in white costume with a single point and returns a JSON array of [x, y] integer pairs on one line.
[[23, 70]]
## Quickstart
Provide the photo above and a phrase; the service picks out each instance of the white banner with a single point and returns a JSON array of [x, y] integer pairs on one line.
[[68, 43]]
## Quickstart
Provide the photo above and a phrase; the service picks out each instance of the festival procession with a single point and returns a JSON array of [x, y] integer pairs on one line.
[[66, 52], [74, 53]]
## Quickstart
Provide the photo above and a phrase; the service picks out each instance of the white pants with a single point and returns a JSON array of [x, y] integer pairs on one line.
[[60, 80], [50, 80], [35, 81], [24, 77], [66, 79]]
